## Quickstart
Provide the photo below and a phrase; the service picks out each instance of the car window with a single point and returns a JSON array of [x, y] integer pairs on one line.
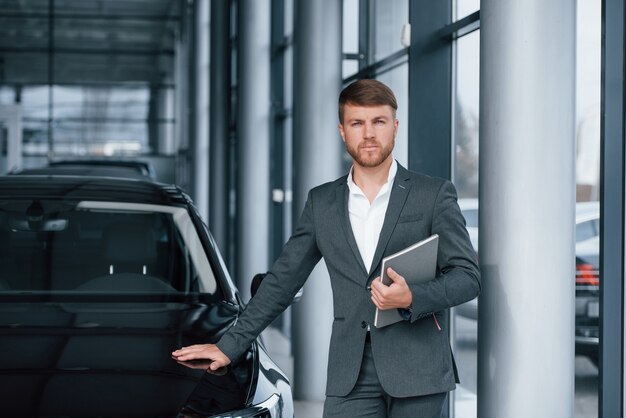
[[50, 245]]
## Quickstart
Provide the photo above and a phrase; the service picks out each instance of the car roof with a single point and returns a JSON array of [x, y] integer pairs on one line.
[[90, 188], [85, 170], [141, 167]]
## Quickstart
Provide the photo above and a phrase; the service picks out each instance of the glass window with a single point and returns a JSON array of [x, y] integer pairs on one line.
[[398, 80], [588, 77], [350, 26], [466, 7], [104, 121], [51, 245], [464, 333], [466, 115], [350, 37], [35, 114], [389, 18], [96, 121], [349, 67], [80, 111], [35, 102], [588, 101]]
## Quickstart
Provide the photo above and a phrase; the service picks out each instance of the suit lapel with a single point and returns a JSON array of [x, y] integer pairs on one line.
[[399, 193], [344, 220]]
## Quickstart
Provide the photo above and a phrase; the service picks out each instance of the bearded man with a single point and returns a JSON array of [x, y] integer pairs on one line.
[[402, 370]]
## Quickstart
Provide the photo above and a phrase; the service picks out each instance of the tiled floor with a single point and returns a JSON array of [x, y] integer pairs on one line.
[[306, 409]]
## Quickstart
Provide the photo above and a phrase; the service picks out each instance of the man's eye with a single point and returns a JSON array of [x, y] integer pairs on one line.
[[379, 122], [355, 124]]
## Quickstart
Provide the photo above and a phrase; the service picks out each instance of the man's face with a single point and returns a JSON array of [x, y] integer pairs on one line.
[[369, 133]]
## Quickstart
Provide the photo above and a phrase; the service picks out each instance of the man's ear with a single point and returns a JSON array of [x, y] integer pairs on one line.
[[342, 133]]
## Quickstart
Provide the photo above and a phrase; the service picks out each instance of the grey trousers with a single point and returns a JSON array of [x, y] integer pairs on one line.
[[368, 399]]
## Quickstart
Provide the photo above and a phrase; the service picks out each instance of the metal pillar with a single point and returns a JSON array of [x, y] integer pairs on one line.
[[317, 159], [219, 128], [200, 156], [613, 207], [253, 133], [527, 198], [430, 89]]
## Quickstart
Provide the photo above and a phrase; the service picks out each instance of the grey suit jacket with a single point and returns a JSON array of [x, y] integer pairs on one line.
[[412, 357]]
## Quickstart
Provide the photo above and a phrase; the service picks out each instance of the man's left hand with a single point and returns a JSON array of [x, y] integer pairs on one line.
[[396, 295]]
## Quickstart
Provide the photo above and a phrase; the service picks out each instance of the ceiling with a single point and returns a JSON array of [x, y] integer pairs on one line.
[[88, 42]]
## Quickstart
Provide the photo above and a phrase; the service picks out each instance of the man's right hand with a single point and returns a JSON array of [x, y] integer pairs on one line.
[[203, 352]]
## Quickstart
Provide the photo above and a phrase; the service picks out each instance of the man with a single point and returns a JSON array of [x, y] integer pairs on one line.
[[379, 208]]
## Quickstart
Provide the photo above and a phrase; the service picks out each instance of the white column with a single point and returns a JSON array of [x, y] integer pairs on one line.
[[527, 198], [253, 133], [317, 159]]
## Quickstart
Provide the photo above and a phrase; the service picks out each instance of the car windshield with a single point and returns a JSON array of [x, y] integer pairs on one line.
[[112, 247]]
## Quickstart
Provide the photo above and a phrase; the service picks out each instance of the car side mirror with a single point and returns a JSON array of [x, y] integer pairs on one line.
[[256, 282]]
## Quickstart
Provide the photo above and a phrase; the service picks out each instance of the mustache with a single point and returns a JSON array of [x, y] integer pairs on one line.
[[369, 143]]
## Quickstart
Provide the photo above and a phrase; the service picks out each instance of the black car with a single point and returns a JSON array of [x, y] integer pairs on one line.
[[101, 280]]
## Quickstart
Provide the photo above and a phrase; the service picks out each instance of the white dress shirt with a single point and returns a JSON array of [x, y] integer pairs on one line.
[[367, 219]]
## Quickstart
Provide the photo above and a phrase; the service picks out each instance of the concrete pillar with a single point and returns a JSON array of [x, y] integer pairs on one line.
[[527, 198], [253, 133], [200, 155], [317, 158], [220, 134], [166, 99]]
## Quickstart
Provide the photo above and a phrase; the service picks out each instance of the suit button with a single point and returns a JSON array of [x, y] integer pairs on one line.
[[363, 324]]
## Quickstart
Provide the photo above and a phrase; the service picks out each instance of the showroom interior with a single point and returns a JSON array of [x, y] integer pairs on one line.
[[235, 101]]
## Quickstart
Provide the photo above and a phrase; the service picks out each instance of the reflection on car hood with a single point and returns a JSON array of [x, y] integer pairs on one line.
[[73, 358]]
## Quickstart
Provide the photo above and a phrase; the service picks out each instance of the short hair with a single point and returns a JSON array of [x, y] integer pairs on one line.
[[367, 92]]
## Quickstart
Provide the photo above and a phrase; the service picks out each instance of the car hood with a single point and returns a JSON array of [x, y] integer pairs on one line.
[[79, 356]]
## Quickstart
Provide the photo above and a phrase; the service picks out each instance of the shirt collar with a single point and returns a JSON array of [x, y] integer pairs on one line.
[[354, 189]]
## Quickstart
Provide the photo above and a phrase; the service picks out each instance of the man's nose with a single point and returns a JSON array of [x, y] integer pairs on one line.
[[368, 131]]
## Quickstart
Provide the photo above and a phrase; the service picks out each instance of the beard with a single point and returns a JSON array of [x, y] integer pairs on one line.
[[373, 158]]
